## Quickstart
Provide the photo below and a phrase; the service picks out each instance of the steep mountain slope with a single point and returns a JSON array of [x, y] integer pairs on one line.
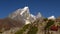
[[8, 23], [33, 28]]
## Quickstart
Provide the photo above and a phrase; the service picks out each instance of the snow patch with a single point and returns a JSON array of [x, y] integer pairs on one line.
[[52, 17]]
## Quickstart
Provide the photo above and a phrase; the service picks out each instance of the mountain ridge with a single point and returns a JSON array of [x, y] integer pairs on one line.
[[25, 14]]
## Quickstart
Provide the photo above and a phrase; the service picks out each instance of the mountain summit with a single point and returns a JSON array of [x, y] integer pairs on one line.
[[52, 17], [23, 15]]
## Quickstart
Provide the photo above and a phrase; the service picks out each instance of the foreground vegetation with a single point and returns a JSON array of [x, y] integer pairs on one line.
[[33, 27]]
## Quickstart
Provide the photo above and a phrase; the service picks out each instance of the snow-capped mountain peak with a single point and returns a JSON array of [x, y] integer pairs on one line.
[[39, 15], [33, 16], [23, 15], [24, 10], [52, 17]]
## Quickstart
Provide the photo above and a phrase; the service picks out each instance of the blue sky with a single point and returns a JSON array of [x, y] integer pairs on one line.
[[45, 7]]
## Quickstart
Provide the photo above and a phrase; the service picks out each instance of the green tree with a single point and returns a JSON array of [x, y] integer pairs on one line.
[[33, 30], [21, 31], [50, 22], [59, 23], [45, 19]]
